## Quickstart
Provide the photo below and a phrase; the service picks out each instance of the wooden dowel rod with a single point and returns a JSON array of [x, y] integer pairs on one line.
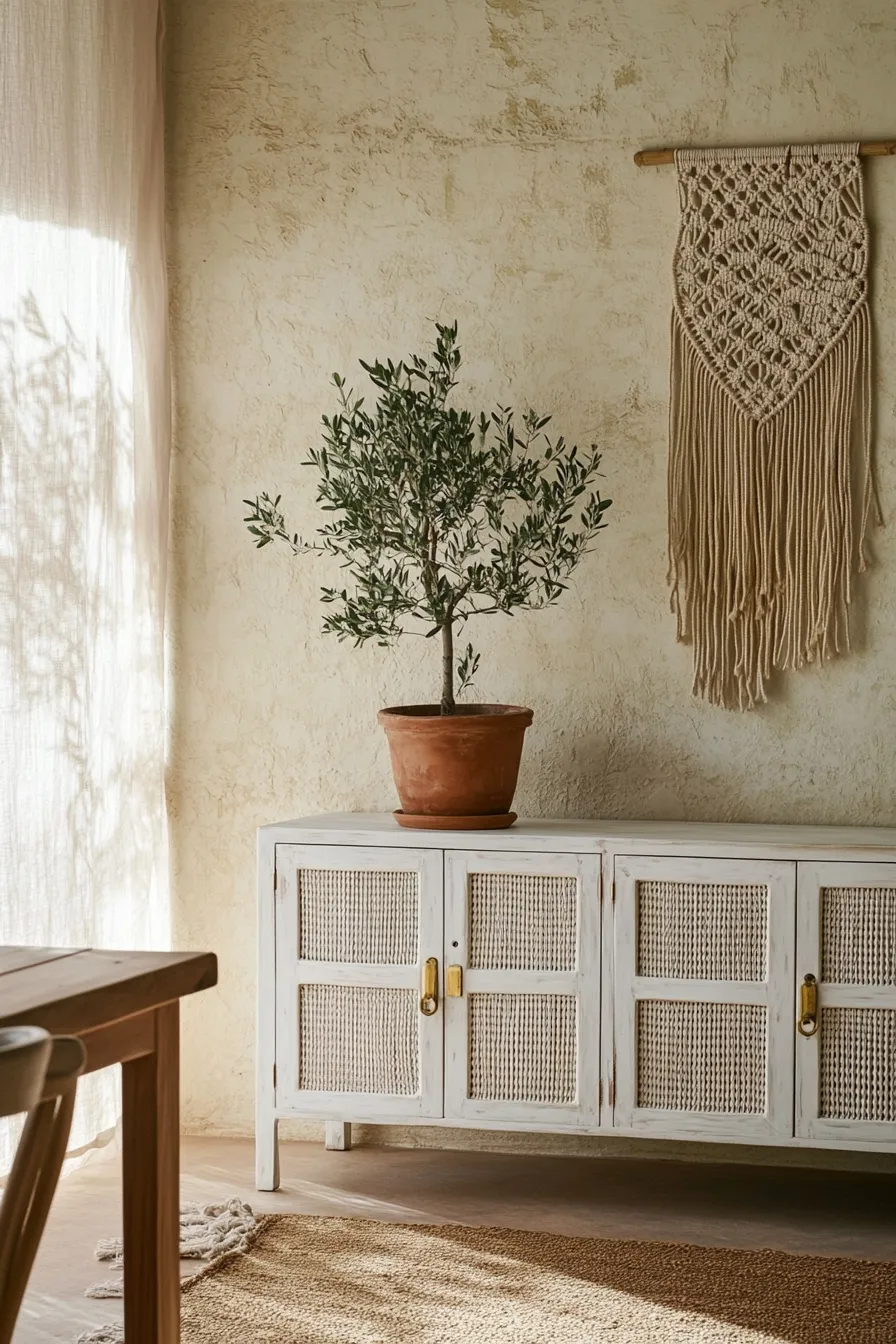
[[869, 149]]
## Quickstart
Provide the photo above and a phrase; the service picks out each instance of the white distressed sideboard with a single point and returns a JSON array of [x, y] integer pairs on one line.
[[602, 978]]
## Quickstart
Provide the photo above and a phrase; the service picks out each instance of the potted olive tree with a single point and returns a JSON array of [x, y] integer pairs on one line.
[[437, 517]]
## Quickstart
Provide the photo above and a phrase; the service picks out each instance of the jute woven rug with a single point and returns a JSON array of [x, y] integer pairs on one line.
[[306, 1280]]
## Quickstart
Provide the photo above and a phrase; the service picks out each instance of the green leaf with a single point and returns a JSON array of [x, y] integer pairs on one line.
[[435, 513]]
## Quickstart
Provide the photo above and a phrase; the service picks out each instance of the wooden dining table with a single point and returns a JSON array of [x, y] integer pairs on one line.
[[125, 1008]]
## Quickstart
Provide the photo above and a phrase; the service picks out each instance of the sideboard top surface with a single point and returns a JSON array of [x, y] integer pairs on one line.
[[590, 837]]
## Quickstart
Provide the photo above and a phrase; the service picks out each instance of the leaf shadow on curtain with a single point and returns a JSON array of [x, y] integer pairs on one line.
[[80, 692], [84, 451]]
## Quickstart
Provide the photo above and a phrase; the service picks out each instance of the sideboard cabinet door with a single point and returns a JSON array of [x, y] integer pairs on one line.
[[522, 1036], [703, 991], [846, 938], [354, 927]]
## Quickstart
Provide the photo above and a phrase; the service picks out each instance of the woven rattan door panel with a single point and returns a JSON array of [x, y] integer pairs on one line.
[[846, 938], [703, 987], [354, 927], [521, 1039]]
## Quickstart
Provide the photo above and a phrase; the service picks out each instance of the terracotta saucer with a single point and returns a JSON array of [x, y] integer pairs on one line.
[[494, 821]]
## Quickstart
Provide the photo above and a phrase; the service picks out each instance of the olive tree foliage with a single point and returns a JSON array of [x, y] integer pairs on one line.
[[436, 515]]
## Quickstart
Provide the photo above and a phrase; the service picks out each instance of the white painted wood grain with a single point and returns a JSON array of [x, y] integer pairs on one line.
[[813, 878], [338, 1136], [597, 1131], [267, 1151], [608, 855], [703, 991], [607, 1080], [583, 983], [700, 839], [292, 972], [774, 993]]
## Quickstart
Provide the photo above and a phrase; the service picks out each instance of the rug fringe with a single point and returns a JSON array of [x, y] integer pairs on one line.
[[207, 1232], [262, 1221], [113, 1333]]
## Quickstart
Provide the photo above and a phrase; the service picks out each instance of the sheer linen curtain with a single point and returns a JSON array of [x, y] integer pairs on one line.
[[84, 449]]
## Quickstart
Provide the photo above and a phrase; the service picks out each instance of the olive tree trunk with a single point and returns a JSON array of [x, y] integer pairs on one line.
[[447, 705]]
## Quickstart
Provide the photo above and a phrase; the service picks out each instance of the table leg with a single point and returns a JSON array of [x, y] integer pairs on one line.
[[150, 1136]]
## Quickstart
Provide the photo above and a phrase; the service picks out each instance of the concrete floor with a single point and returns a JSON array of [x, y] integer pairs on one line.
[[811, 1212]]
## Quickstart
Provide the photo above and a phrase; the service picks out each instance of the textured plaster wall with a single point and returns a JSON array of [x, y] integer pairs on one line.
[[342, 172]]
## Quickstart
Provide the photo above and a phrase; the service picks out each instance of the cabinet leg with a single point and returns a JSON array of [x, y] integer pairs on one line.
[[267, 1155], [338, 1136]]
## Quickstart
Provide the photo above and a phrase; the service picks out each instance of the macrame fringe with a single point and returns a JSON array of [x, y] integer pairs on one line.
[[764, 530]]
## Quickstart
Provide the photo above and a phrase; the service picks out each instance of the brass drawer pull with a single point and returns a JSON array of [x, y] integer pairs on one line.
[[454, 982], [429, 996], [807, 1025]]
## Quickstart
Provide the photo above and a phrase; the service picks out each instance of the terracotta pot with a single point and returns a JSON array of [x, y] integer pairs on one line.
[[455, 765]]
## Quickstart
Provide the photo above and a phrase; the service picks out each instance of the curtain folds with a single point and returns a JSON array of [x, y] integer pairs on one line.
[[84, 453]]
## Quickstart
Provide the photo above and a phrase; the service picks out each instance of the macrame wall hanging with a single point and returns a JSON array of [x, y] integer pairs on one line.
[[770, 478]]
